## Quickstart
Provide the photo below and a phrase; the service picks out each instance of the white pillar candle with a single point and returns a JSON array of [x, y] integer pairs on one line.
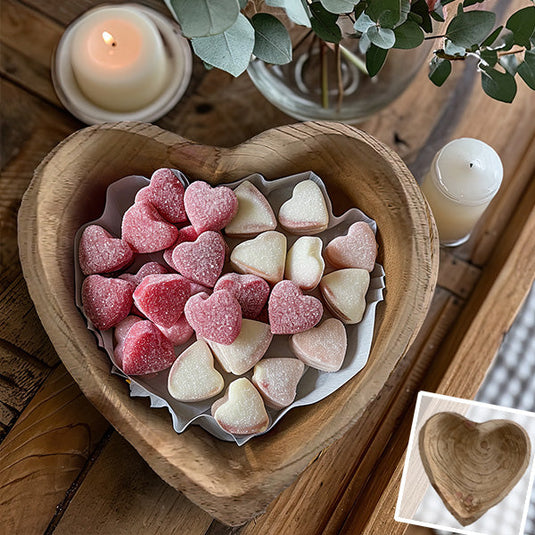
[[464, 177], [118, 58]]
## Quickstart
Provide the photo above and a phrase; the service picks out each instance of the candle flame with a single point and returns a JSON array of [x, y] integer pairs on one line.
[[108, 38]]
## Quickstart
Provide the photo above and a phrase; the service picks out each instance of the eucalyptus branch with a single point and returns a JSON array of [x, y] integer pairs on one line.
[[511, 52]]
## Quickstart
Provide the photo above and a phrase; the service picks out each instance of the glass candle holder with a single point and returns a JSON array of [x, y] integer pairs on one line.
[[464, 177]]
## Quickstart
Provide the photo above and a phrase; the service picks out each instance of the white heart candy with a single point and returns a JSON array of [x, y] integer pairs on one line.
[[306, 212], [322, 347], [254, 215], [264, 256], [304, 263], [344, 292], [193, 376], [248, 348], [276, 380], [241, 410]]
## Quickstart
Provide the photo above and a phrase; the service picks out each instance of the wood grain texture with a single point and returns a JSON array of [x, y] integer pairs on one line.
[[472, 466], [138, 497], [44, 453], [233, 483]]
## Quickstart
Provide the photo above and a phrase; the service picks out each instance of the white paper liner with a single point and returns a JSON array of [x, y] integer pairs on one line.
[[315, 385]]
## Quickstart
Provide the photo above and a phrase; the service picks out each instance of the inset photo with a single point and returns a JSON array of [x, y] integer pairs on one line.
[[469, 467]]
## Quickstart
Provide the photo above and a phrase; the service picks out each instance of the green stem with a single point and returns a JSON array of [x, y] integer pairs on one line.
[[355, 60], [324, 77]]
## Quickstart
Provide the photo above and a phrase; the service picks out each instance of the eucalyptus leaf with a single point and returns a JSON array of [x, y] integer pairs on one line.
[[510, 63], [492, 37], [364, 44], [295, 9], [408, 35], [272, 41], [381, 37], [526, 69], [498, 85], [437, 14], [522, 24], [324, 23], [468, 3], [490, 57], [375, 58], [229, 51], [421, 9], [453, 50], [467, 29], [378, 7], [439, 70], [363, 23], [339, 6], [204, 17]]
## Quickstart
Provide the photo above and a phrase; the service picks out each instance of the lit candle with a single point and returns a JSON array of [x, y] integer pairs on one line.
[[118, 58], [464, 177]]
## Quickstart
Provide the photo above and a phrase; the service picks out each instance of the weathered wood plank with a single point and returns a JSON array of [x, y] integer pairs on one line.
[[119, 497], [44, 452]]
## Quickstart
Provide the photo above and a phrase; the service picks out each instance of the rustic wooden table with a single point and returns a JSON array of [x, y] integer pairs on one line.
[[63, 468]]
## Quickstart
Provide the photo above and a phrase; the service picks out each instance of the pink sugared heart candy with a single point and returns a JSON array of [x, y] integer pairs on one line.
[[100, 252], [146, 350], [146, 230], [357, 249], [150, 268], [202, 260], [120, 332], [166, 194], [216, 317], [179, 333], [252, 292], [106, 301], [290, 311], [162, 298], [209, 208], [184, 234]]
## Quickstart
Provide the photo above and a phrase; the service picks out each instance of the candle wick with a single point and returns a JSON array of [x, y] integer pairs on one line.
[[471, 164], [114, 44]]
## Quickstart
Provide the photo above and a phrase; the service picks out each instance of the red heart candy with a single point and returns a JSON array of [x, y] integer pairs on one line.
[[184, 234], [166, 194], [106, 301], [146, 230], [216, 317], [146, 350], [162, 298], [150, 268], [179, 333], [100, 252], [252, 292], [120, 332], [202, 260], [210, 208], [290, 311]]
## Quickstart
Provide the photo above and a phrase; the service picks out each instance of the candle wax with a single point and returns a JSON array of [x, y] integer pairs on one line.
[[118, 58]]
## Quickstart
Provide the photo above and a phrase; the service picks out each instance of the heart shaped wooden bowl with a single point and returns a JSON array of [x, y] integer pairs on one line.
[[472, 466], [68, 189]]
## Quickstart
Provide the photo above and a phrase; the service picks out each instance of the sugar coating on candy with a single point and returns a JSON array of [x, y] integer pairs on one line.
[[248, 348], [193, 376], [209, 208], [252, 292], [241, 410], [162, 298], [120, 332], [216, 317], [179, 333], [106, 301], [150, 268], [166, 194], [145, 229], [100, 252], [264, 256], [304, 263], [202, 260], [344, 292], [305, 212], [254, 215], [146, 350], [323, 347], [290, 311], [277, 379], [357, 249]]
